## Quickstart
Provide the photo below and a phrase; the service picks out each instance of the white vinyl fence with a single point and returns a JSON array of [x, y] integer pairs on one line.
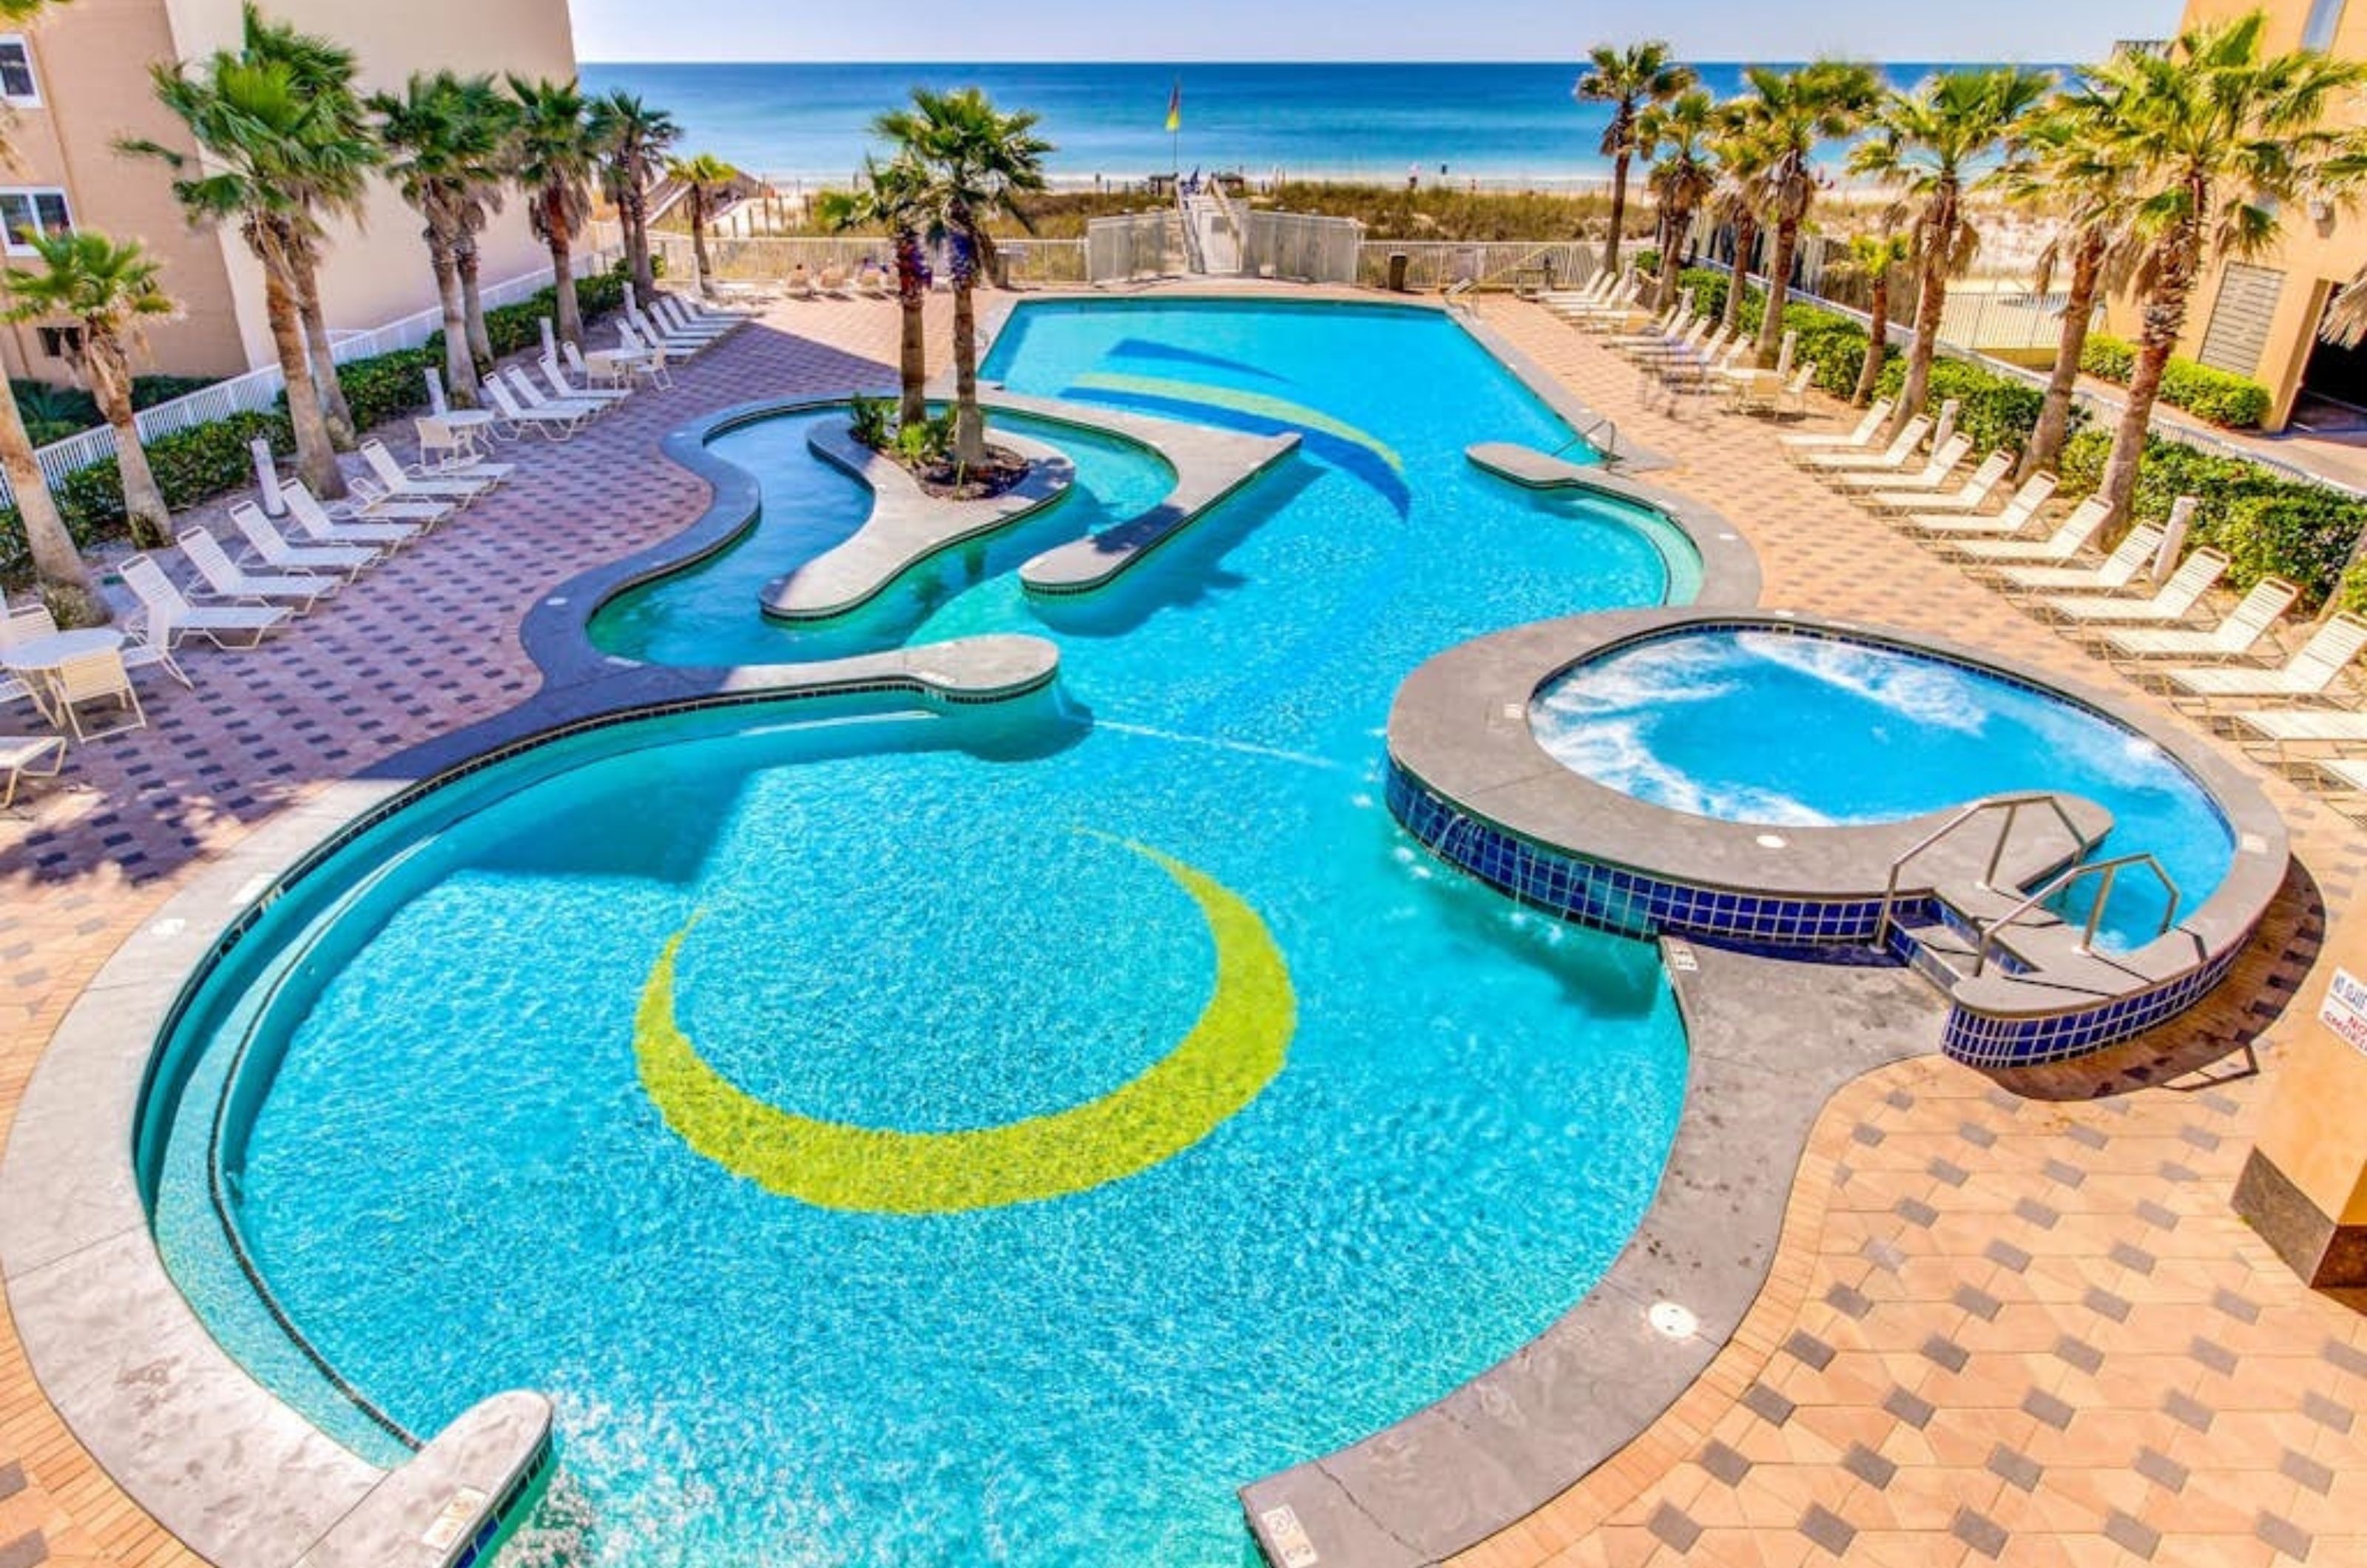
[[1302, 247], [771, 258], [258, 391], [1432, 265], [1142, 245]]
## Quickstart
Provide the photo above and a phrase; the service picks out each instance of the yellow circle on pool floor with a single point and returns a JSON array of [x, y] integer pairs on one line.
[[1230, 1055]]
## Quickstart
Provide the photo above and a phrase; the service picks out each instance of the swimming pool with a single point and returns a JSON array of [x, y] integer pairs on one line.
[[578, 1075], [1786, 730]]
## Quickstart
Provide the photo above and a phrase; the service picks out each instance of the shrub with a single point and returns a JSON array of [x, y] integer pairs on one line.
[[387, 386], [2353, 594], [37, 402], [2108, 358], [1995, 411], [2235, 402], [147, 391]]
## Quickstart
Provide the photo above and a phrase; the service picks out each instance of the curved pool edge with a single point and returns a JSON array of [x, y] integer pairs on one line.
[[1509, 1440], [234, 1471], [1730, 573]]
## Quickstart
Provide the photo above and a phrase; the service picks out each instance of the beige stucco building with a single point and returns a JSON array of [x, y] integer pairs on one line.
[[2261, 318], [77, 80]]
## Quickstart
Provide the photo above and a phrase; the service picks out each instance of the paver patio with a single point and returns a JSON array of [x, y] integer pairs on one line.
[[2013, 1317]]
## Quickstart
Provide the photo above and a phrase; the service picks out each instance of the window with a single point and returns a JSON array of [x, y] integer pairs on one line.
[[60, 342], [2325, 19], [29, 215], [16, 84]]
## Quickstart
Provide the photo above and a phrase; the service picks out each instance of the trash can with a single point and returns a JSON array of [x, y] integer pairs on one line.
[[1397, 272], [1003, 268]]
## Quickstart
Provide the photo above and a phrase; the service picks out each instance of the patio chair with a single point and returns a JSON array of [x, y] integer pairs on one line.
[[682, 315], [1930, 477], [533, 397], [25, 623], [313, 520], [643, 360], [2074, 533], [1889, 460], [225, 579], [516, 420], [170, 614], [2309, 674], [2237, 636], [149, 644], [1861, 439], [20, 756], [1968, 497], [96, 678], [567, 391], [2171, 603], [2019, 508], [2287, 729], [460, 489], [271, 547], [2116, 571]]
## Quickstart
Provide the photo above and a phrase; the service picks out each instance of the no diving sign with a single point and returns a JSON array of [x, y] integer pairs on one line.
[[2344, 1010]]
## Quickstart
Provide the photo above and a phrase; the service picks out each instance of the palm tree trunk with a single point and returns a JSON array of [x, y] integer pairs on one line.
[[1746, 239], [335, 410], [912, 354], [1673, 244], [2054, 412], [316, 457], [144, 500], [634, 208], [2163, 315], [970, 424], [1779, 284], [459, 364], [1930, 306], [1877, 335], [1618, 210], [465, 261], [65, 581], [562, 281], [698, 243]]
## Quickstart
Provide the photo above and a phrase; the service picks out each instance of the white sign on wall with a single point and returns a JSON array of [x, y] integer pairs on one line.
[[2344, 1010]]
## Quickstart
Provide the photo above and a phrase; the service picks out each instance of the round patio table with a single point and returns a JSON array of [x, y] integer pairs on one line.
[[39, 657]]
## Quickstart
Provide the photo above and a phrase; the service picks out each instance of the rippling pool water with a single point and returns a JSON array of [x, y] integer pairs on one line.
[[449, 1163]]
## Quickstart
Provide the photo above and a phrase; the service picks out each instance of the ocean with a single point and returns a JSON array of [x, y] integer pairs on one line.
[[1500, 124]]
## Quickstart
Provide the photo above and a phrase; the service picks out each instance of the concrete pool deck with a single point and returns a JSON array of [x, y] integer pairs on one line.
[[2013, 1316]]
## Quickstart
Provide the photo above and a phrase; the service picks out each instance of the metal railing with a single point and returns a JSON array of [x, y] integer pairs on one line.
[[2109, 870], [2012, 805], [258, 392], [1484, 264]]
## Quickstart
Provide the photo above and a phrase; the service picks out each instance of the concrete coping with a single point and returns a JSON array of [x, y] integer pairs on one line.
[[465, 1484], [1209, 465], [907, 525], [1729, 566], [1460, 725]]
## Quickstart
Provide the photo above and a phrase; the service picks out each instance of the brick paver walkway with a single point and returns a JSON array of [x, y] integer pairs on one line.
[[2012, 1319]]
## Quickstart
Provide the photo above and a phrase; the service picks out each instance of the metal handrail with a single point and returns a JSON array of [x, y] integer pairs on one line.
[[2111, 871], [1608, 447], [2011, 805]]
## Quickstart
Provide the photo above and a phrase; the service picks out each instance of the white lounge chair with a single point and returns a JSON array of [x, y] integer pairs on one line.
[[533, 397], [447, 449], [1967, 497], [649, 332], [1860, 439], [2287, 730], [226, 579], [2070, 537], [516, 419], [567, 391], [1929, 478], [2310, 673], [2133, 555], [2170, 604], [272, 549], [1890, 460], [313, 520], [97, 677], [2237, 636], [171, 615], [2019, 508], [679, 316], [459, 489], [147, 645], [20, 756], [640, 359]]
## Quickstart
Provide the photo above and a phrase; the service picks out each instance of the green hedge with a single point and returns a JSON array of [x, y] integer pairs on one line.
[[1995, 411], [193, 465], [2269, 526], [2233, 402]]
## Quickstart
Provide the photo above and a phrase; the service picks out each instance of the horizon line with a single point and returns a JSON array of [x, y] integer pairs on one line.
[[1194, 65]]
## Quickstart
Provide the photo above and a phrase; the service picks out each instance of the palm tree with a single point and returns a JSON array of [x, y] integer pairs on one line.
[[441, 151], [978, 163], [105, 289], [632, 139], [1630, 80], [894, 197], [250, 119], [1875, 258], [1793, 112], [2068, 168], [705, 180], [551, 158], [2216, 141], [328, 171], [65, 580], [481, 100], [1936, 144], [1677, 136], [1742, 161]]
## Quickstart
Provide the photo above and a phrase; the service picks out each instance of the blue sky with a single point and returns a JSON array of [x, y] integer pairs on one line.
[[1360, 29]]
